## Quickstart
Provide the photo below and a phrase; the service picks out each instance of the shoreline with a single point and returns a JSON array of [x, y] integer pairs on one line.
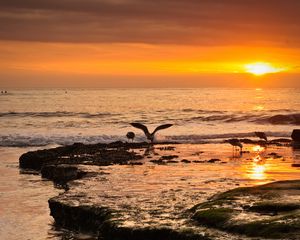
[[77, 209]]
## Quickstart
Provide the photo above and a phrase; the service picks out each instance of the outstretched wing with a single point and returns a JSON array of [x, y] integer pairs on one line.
[[164, 126], [140, 126]]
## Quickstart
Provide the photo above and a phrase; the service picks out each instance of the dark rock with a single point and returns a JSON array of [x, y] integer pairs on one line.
[[213, 160], [168, 157], [35, 160], [198, 161], [168, 148], [61, 173], [81, 218], [100, 220], [274, 155], [109, 231], [244, 152], [185, 161], [159, 161], [266, 207], [172, 161], [136, 163], [296, 135], [78, 153], [281, 140]]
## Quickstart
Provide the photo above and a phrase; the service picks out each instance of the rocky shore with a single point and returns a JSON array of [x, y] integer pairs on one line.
[[266, 211], [269, 211]]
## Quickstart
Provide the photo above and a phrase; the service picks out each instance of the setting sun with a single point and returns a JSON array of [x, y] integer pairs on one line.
[[261, 68]]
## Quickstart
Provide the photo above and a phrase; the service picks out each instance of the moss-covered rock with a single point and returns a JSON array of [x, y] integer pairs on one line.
[[273, 207], [214, 217], [102, 220], [267, 211]]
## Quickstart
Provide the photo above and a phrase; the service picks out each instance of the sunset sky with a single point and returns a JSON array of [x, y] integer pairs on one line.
[[144, 43]]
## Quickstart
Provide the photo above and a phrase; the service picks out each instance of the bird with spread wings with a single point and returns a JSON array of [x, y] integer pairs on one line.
[[150, 136]]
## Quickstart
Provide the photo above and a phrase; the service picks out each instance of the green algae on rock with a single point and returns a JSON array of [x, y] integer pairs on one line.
[[269, 211]]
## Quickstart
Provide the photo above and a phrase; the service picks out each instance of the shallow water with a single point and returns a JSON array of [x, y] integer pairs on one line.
[[159, 194], [42, 117], [151, 194], [24, 211]]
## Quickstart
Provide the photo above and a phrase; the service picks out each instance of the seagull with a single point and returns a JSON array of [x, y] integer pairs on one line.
[[261, 135], [235, 143], [150, 136], [130, 135]]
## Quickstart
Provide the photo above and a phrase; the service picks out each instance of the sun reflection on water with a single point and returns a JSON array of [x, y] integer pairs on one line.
[[258, 108], [258, 172], [258, 149], [257, 167], [257, 159]]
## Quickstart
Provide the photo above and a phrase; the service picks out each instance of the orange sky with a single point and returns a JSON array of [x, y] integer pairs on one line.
[[130, 43]]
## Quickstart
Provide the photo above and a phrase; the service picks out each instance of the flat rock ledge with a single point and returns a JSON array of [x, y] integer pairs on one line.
[[103, 221], [79, 153], [266, 211]]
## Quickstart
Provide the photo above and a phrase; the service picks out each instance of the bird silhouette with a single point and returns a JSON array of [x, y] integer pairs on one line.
[[130, 135], [235, 143], [261, 135], [150, 136]]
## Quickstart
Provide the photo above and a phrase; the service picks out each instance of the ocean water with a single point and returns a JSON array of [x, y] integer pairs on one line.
[[33, 119], [64, 116]]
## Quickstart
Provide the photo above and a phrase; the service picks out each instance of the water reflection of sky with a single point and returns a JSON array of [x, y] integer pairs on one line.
[[150, 194], [258, 166], [273, 163], [154, 194]]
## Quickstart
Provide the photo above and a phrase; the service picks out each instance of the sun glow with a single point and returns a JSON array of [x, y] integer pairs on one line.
[[258, 148], [258, 172], [261, 68]]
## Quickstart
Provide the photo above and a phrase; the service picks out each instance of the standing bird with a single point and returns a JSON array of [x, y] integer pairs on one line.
[[235, 143], [150, 136], [130, 135], [261, 135]]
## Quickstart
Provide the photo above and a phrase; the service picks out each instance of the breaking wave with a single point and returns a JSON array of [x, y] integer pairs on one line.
[[22, 140], [278, 119]]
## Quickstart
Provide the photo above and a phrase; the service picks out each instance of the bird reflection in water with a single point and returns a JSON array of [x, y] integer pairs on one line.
[[150, 150]]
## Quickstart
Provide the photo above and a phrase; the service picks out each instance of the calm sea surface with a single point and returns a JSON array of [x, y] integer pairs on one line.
[[42, 117]]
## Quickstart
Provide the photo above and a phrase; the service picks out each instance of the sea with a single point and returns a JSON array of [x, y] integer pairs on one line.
[[65, 116], [202, 119]]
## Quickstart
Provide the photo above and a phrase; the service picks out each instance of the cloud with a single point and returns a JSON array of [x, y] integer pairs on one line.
[[205, 22]]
